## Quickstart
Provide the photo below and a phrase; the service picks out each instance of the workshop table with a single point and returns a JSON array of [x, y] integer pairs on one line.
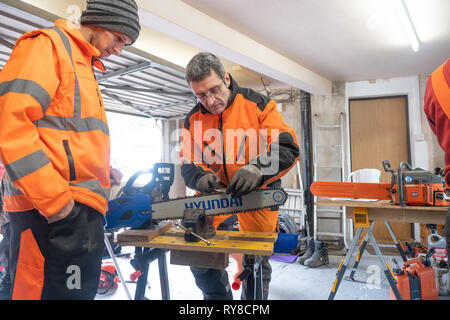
[[381, 210], [153, 244]]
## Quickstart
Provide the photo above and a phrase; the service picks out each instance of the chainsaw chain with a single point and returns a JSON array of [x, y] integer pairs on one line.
[[231, 212]]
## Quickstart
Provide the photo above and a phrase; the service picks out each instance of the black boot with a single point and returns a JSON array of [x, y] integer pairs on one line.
[[5, 287], [308, 252], [320, 256]]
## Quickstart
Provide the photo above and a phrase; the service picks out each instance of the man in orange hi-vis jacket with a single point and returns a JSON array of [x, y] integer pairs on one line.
[[55, 147], [237, 138], [437, 110]]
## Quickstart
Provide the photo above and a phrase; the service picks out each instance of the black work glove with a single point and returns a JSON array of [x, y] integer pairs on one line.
[[208, 183], [246, 179]]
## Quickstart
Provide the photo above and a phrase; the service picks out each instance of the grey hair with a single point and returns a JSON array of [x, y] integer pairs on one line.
[[201, 65]]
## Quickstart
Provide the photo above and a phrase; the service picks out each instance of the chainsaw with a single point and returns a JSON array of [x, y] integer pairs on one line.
[[408, 187], [139, 207]]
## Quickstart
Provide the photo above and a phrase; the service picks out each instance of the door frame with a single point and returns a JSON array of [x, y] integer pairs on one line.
[[409, 87]]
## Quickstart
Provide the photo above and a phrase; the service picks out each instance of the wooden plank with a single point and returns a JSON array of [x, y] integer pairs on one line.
[[231, 235], [214, 260], [384, 204], [143, 234], [410, 216], [384, 210], [217, 245], [250, 236]]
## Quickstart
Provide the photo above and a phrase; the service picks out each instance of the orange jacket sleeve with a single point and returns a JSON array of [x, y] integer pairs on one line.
[[283, 151], [437, 110], [28, 83]]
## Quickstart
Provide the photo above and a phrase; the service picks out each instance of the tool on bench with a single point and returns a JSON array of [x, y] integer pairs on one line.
[[408, 187], [189, 233], [139, 207]]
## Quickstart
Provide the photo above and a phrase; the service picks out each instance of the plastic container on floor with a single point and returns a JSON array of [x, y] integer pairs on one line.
[[286, 242]]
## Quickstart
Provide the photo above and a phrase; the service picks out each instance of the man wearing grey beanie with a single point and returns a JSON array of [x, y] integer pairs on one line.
[[55, 147], [116, 17]]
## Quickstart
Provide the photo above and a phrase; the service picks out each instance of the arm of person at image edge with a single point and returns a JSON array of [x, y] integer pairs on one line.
[[33, 60], [285, 142], [438, 120]]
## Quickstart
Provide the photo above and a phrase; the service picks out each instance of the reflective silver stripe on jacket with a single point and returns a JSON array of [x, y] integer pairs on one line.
[[29, 87], [93, 185], [73, 124], [10, 189], [76, 123], [26, 165]]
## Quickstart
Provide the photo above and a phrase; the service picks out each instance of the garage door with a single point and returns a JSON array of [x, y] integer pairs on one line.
[[135, 83]]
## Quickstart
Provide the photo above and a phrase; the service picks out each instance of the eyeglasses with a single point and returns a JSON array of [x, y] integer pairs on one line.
[[214, 92], [121, 38]]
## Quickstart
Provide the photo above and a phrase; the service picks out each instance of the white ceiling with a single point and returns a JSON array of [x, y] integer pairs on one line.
[[341, 40], [303, 44]]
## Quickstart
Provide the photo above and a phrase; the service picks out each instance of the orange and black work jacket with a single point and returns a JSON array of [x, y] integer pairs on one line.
[[54, 137], [437, 110], [250, 130]]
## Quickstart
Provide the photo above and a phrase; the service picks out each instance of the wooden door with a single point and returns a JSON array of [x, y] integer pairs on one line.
[[379, 131]]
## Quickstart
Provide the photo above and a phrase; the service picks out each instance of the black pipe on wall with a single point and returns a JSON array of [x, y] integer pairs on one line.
[[306, 158]]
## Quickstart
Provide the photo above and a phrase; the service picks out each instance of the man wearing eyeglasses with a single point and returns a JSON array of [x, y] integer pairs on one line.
[[55, 147], [236, 138]]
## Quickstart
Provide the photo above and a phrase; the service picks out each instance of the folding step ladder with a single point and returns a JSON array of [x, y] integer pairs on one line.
[[338, 170]]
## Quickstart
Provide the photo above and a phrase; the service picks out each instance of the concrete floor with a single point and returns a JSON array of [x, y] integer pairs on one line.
[[290, 281]]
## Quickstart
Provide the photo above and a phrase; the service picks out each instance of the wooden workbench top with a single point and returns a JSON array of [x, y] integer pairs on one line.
[[384, 204], [385, 210], [258, 243]]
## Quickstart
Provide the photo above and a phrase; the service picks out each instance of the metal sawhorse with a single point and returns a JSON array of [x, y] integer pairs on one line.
[[369, 236]]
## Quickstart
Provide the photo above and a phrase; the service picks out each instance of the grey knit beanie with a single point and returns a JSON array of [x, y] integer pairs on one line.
[[116, 15]]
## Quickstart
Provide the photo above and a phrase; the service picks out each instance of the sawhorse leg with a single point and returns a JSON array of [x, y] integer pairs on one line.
[[254, 280], [361, 250], [397, 244], [343, 266], [363, 245], [163, 277], [387, 270], [143, 259], [116, 265]]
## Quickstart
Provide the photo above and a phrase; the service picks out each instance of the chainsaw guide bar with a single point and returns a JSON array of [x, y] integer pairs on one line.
[[219, 203]]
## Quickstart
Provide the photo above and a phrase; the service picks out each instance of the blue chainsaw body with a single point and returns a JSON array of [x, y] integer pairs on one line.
[[133, 209], [129, 211]]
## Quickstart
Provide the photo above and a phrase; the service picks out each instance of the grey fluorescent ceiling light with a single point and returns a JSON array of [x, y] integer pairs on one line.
[[406, 22]]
